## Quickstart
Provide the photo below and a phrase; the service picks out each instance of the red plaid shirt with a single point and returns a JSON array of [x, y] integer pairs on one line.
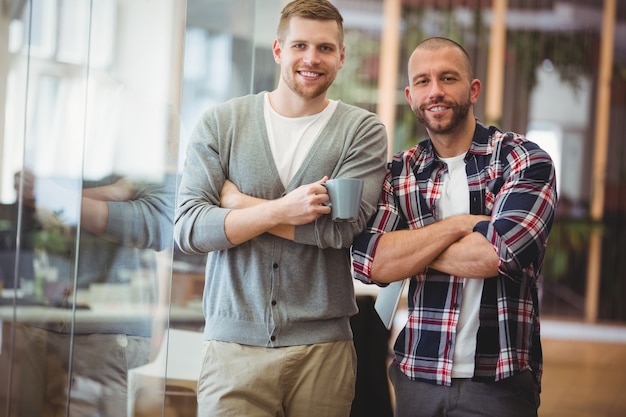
[[510, 179]]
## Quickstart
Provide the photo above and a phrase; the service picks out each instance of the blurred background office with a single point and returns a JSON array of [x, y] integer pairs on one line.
[[95, 91]]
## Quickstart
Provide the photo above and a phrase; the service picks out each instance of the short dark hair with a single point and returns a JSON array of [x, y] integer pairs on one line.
[[309, 9], [440, 42]]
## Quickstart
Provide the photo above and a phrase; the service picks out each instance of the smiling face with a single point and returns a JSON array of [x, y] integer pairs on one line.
[[310, 55], [441, 90]]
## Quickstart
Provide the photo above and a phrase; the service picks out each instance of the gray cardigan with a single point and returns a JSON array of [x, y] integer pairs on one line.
[[271, 291]]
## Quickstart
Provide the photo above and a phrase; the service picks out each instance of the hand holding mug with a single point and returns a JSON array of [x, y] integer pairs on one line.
[[344, 198]]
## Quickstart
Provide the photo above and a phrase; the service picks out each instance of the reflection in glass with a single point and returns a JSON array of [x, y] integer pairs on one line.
[[87, 189], [40, 27]]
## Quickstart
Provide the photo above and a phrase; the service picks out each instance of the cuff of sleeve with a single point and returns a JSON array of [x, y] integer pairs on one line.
[[115, 219], [481, 227]]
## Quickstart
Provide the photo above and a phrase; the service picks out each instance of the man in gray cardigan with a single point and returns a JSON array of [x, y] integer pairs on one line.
[[279, 294]]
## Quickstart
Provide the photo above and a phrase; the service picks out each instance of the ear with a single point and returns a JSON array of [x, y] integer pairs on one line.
[[407, 94], [342, 56], [276, 50], [475, 88]]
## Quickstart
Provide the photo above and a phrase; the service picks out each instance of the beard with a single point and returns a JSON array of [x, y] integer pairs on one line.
[[459, 113], [305, 91]]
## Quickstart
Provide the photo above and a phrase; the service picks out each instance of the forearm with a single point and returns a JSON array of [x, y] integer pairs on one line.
[[94, 215], [471, 257], [121, 190], [143, 223], [243, 224], [403, 253], [251, 216], [245, 205]]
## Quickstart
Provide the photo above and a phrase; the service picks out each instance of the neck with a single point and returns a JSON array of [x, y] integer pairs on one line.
[[456, 142], [288, 104]]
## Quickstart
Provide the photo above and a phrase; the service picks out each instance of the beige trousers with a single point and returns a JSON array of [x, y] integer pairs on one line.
[[297, 381]]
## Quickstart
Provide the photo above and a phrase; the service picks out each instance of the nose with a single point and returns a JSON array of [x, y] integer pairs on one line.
[[311, 57], [436, 90]]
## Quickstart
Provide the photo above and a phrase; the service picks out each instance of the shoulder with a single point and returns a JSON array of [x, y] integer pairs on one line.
[[517, 143], [238, 104], [234, 108], [243, 112], [351, 112], [419, 151], [517, 153], [415, 159], [491, 140]]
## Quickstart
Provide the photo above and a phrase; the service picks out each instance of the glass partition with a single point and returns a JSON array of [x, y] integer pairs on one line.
[[87, 185]]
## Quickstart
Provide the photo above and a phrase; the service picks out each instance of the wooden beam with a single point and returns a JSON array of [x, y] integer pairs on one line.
[[495, 66], [388, 67], [600, 145]]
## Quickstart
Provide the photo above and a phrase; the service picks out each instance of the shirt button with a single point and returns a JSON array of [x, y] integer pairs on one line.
[[273, 302], [273, 338], [275, 266]]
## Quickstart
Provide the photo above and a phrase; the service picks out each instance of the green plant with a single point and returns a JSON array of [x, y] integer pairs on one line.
[[53, 237]]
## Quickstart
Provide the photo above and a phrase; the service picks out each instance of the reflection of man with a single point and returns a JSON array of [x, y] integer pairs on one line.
[[16, 220], [122, 225], [466, 214]]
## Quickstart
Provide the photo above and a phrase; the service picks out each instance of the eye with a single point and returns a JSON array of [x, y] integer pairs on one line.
[[326, 48]]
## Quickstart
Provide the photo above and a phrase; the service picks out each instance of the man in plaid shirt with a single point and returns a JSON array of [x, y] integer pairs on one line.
[[466, 215]]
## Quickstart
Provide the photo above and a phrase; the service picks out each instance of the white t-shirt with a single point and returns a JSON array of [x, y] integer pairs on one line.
[[291, 138], [455, 200]]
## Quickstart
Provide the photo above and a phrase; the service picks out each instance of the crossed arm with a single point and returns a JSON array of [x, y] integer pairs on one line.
[[94, 209], [138, 215], [251, 216], [449, 246], [94, 212]]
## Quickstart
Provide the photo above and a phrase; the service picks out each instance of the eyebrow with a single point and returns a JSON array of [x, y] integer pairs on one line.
[[324, 43], [444, 72]]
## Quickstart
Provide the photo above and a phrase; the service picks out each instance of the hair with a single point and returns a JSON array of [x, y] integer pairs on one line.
[[309, 9], [435, 43]]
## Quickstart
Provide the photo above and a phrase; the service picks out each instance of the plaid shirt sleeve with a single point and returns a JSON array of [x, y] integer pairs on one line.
[[364, 245], [524, 206], [521, 198], [399, 207]]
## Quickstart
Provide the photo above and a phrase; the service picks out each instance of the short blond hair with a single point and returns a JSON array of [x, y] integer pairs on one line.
[[309, 9]]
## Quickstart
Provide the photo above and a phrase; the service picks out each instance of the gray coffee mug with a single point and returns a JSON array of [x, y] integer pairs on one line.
[[345, 198]]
